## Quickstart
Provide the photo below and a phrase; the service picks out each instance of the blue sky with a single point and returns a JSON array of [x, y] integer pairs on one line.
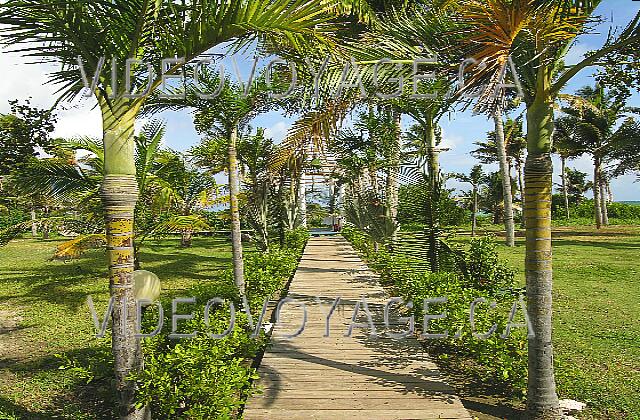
[[460, 130]]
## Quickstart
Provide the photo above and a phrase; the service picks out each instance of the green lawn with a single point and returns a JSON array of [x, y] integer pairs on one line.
[[42, 306], [43, 310], [597, 316]]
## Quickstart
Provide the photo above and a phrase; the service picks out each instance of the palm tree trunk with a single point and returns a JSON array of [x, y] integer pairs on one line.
[[565, 193], [302, 201], [603, 201], [119, 195], [236, 232], [520, 169], [34, 225], [596, 192], [474, 215], [392, 176], [433, 161], [185, 240], [506, 178], [542, 399]]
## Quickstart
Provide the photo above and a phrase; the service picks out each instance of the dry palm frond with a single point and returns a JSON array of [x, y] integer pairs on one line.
[[74, 248], [314, 127]]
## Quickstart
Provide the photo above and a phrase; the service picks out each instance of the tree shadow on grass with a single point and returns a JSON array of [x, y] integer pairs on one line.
[[58, 282], [82, 389], [597, 244]]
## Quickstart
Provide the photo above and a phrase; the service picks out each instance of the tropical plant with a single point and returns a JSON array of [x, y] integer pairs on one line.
[[475, 178], [595, 127]]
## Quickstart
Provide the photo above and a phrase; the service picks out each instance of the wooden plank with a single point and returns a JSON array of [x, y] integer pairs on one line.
[[408, 414]]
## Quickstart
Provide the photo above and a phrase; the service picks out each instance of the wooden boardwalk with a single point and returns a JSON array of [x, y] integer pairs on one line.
[[359, 377]]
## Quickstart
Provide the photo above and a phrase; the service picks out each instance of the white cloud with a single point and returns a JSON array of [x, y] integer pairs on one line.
[[19, 80], [277, 132]]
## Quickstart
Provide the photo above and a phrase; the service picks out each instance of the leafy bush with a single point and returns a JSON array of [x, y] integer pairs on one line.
[[413, 203], [203, 377], [296, 239], [480, 274], [619, 213], [11, 217]]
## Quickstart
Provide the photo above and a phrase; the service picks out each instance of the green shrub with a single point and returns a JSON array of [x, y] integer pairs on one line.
[[296, 239], [584, 213], [12, 217], [480, 274], [203, 377]]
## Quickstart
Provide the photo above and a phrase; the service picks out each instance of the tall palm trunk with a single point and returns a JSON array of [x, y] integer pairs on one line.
[[34, 225], [474, 215], [603, 200], [236, 233], [393, 171], [302, 200], [506, 177], [520, 169], [542, 399], [119, 195], [596, 192], [565, 192], [433, 160]]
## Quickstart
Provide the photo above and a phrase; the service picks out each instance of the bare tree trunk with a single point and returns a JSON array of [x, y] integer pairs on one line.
[[236, 232], [185, 240], [45, 226], [119, 195], [34, 225], [474, 215], [393, 171], [302, 201], [542, 399], [596, 192], [523, 223], [609, 191], [565, 193], [603, 200], [506, 178]]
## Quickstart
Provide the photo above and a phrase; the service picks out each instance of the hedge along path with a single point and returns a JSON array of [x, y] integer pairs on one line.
[[359, 377]]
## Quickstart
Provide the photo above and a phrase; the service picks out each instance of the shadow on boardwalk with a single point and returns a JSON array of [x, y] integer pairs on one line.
[[313, 376]]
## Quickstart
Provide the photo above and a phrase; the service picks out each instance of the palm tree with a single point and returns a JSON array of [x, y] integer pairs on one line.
[[536, 35], [225, 118], [475, 178], [564, 146], [592, 120], [505, 145], [185, 191], [150, 31]]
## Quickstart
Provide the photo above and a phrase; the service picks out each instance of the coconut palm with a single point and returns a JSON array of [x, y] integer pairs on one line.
[[565, 147], [182, 192], [505, 145]]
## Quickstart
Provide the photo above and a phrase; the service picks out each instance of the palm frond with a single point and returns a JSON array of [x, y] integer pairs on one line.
[[74, 248]]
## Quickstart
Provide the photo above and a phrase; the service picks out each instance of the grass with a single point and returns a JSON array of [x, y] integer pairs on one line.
[[42, 305], [596, 316], [596, 329]]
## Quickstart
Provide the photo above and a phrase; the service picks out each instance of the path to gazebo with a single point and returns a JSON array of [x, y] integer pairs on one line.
[[337, 377]]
